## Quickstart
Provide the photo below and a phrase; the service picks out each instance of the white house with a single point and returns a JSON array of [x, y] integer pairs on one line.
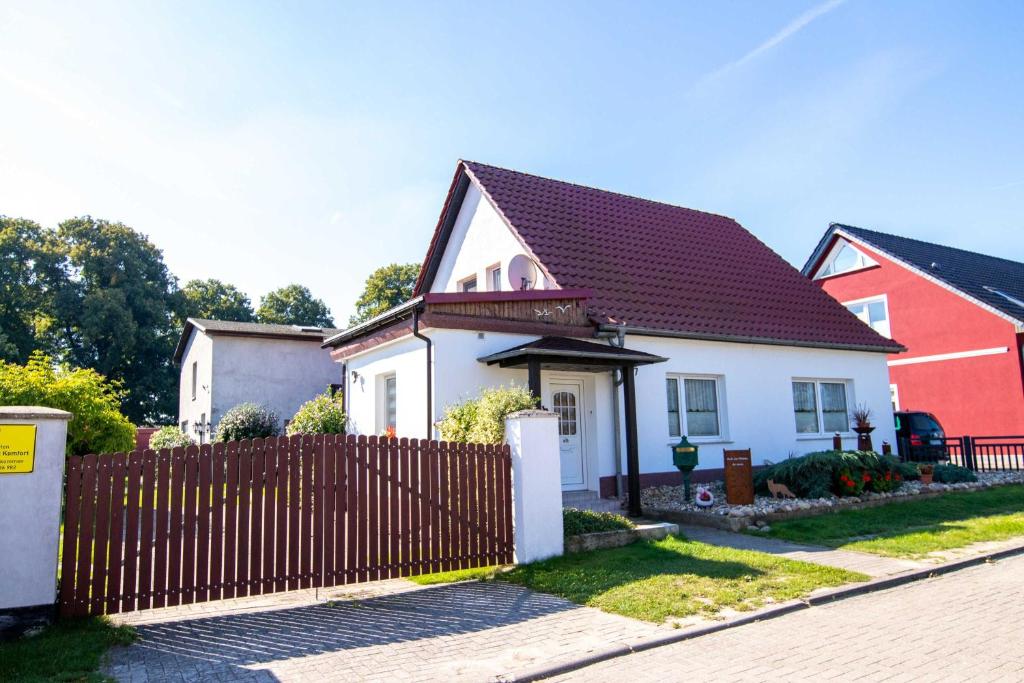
[[226, 363], [636, 321]]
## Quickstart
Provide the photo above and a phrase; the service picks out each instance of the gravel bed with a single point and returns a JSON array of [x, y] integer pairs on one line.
[[671, 497]]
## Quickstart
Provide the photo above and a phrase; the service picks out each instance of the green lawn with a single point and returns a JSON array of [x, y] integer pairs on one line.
[[70, 650], [916, 528], [671, 578]]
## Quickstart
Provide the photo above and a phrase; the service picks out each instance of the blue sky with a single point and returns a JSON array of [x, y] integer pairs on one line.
[[268, 143]]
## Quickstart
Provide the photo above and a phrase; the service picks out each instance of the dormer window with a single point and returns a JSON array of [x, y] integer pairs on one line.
[[468, 285], [844, 258], [494, 278]]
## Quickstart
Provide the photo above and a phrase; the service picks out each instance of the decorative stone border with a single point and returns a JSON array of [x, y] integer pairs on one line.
[[666, 503], [650, 531]]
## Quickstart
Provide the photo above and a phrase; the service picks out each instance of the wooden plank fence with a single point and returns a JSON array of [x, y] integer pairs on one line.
[[177, 526]]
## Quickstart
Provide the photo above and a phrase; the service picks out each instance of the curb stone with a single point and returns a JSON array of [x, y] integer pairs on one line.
[[834, 595]]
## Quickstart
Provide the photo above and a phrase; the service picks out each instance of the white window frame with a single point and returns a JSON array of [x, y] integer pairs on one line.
[[818, 381], [492, 272], [382, 401], [723, 422], [195, 377], [867, 300], [865, 260], [467, 280]]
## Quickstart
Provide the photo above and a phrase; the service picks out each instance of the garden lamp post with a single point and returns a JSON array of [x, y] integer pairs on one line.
[[684, 457]]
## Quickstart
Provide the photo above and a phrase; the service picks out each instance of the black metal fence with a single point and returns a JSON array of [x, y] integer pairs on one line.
[[977, 453]]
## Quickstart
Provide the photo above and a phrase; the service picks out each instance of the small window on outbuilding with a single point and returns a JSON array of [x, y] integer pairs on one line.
[[195, 376]]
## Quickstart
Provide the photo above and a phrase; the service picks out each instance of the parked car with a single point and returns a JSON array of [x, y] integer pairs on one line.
[[920, 437]]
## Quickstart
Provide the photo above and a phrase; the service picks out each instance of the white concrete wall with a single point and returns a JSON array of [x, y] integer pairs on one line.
[[406, 359], [532, 436], [480, 239], [30, 512], [200, 351], [281, 374]]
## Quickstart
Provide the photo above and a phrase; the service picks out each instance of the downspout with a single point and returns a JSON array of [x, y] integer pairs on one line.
[[618, 340], [430, 389]]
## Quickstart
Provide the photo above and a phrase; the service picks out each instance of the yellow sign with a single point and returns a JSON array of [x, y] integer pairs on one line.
[[17, 449]]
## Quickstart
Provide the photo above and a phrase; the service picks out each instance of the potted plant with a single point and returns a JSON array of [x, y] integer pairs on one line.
[[927, 471], [862, 425]]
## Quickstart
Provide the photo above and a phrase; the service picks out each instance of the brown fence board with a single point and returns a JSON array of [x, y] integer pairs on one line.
[[69, 551], [190, 531], [204, 494], [230, 582], [256, 521], [132, 547], [149, 529], [218, 475], [117, 513]]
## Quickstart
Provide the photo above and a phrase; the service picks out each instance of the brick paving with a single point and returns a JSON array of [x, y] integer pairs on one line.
[[966, 625], [380, 632]]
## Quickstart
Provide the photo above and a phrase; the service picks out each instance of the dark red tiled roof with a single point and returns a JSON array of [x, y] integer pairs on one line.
[[666, 268]]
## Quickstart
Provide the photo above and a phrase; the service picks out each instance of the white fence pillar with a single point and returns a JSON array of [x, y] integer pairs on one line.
[[532, 436], [32, 442]]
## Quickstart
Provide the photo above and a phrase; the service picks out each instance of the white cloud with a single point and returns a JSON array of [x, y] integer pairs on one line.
[[787, 32]]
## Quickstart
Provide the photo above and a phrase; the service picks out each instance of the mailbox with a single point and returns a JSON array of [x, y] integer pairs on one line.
[[684, 457]]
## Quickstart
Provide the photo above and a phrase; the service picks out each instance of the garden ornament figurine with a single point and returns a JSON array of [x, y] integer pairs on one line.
[[779, 490]]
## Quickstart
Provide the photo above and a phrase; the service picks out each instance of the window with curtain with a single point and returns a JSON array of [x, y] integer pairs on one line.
[[805, 405], [672, 390], [833, 407], [820, 403], [697, 399]]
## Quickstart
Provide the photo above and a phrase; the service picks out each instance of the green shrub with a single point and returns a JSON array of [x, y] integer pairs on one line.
[[847, 473], [576, 522], [247, 421], [952, 474], [324, 414], [482, 420], [97, 425], [169, 437], [908, 470]]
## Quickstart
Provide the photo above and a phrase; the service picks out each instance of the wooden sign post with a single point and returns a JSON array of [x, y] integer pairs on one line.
[[739, 478]]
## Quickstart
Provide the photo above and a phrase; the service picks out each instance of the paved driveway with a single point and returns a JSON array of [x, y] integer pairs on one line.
[[963, 626], [387, 631]]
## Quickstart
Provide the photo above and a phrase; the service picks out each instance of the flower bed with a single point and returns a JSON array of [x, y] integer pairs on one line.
[[667, 502]]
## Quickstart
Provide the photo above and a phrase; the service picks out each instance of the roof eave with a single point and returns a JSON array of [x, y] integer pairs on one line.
[[387, 317], [742, 339]]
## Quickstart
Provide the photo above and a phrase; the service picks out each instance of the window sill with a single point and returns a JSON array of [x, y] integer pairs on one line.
[[702, 440], [820, 437]]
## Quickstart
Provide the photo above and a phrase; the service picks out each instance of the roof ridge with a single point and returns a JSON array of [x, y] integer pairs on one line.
[[931, 244], [597, 189]]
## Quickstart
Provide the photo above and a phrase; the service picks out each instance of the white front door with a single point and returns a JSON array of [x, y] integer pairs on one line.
[[566, 401]]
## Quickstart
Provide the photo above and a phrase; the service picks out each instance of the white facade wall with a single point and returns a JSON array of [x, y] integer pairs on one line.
[[755, 398], [479, 240], [280, 374], [405, 359], [199, 351]]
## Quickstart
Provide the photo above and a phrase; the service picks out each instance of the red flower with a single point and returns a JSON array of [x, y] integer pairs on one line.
[[867, 477], [888, 476]]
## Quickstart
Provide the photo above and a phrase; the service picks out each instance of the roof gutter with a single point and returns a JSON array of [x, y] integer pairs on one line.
[[739, 339], [395, 314]]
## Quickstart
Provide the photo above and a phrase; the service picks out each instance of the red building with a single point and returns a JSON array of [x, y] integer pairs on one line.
[[960, 315]]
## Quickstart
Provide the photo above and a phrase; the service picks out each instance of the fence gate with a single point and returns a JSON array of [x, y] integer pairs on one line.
[[177, 526]]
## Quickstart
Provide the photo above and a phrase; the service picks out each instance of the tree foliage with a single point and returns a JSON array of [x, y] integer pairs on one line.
[[294, 305], [387, 287], [98, 426], [30, 269], [119, 312], [216, 300], [323, 414]]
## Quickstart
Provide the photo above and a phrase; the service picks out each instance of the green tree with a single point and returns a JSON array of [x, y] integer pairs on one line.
[[119, 313], [387, 287], [98, 426], [294, 305], [30, 272], [323, 414], [216, 300]]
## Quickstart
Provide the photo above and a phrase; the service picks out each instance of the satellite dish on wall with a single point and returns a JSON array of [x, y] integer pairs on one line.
[[523, 273]]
